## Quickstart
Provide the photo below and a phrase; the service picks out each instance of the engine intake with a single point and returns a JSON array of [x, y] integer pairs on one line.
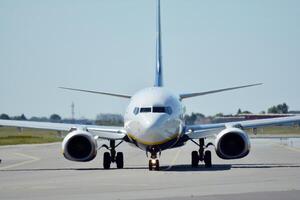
[[232, 143], [79, 146]]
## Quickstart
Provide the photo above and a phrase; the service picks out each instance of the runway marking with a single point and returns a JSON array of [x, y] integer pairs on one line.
[[173, 161], [32, 159]]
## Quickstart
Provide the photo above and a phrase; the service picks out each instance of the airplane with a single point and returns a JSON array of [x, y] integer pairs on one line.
[[153, 122]]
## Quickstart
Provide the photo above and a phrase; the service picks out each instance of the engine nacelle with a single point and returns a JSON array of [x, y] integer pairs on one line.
[[232, 143], [79, 146]]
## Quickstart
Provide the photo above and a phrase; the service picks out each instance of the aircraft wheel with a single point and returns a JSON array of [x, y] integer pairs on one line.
[[154, 164], [150, 165], [157, 165], [195, 159], [106, 160], [120, 160], [207, 159]]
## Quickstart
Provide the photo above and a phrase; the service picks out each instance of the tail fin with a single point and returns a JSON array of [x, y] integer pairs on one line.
[[159, 66]]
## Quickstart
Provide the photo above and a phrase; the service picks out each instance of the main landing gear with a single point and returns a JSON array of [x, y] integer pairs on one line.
[[201, 155], [113, 156], [154, 162]]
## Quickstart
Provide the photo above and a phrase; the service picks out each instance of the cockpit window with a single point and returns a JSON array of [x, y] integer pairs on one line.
[[169, 110], [159, 109], [136, 110], [155, 109], [145, 110]]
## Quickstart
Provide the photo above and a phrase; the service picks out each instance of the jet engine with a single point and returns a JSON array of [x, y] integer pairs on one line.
[[232, 143], [79, 146]]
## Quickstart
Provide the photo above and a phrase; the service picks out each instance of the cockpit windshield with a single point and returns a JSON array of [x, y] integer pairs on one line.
[[145, 110], [154, 109], [159, 109]]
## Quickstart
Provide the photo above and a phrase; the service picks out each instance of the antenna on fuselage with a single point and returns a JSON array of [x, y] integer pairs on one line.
[[159, 66]]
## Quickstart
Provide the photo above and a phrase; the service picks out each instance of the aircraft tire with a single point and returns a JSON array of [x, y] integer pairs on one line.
[[195, 159], [120, 160], [157, 165], [207, 159], [150, 165], [106, 160]]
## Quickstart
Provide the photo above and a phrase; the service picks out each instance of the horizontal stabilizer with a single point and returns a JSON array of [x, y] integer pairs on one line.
[[189, 95], [97, 92]]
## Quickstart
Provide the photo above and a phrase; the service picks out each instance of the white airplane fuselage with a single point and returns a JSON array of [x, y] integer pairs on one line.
[[153, 119]]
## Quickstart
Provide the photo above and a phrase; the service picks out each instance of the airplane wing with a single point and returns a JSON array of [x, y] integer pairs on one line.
[[98, 92], [102, 132], [207, 130], [189, 95]]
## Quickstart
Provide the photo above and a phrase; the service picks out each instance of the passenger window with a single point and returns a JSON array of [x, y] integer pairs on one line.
[[145, 110]]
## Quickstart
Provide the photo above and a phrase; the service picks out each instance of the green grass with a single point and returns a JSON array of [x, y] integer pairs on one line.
[[13, 136]]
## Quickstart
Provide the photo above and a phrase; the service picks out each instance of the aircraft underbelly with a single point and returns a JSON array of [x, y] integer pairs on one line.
[[162, 138]]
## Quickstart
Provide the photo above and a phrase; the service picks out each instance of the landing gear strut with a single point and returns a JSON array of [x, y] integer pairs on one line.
[[113, 156], [154, 162], [201, 155]]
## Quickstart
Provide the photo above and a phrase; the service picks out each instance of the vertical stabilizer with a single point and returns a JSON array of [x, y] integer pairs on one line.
[[159, 66]]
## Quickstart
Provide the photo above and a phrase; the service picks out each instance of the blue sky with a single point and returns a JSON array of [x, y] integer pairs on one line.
[[109, 45]]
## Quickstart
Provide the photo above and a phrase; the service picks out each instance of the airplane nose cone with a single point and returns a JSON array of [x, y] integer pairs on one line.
[[153, 123]]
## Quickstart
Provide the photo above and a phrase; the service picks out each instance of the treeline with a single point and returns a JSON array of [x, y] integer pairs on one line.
[[101, 119], [199, 118], [118, 120], [109, 120], [52, 118]]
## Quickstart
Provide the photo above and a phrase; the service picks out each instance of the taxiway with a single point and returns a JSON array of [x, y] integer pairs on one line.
[[271, 171]]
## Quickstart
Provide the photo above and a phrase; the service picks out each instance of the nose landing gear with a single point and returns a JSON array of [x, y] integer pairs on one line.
[[154, 162]]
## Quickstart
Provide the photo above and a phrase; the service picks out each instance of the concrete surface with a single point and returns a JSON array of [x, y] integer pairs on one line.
[[271, 171]]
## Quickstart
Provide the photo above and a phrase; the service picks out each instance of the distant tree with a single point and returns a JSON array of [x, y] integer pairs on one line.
[[239, 112], [39, 119], [110, 120], [219, 115], [21, 117], [273, 110], [262, 112], [285, 108], [191, 119], [55, 118], [279, 109], [4, 116]]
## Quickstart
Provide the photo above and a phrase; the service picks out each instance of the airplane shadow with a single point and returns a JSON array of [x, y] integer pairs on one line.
[[71, 169], [266, 165], [189, 168], [174, 168]]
